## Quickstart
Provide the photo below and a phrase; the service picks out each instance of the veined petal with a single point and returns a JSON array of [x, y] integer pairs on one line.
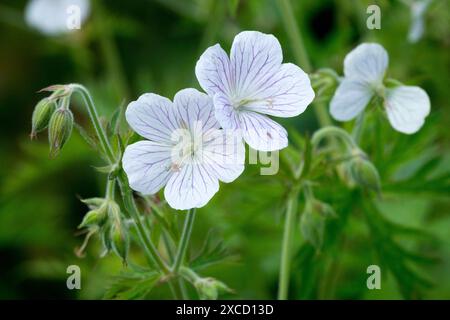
[[213, 71], [350, 98], [225, 113], [223, 154], [255, 58], [191, 187], [152, 116], [367, 62], [262, 133], [194, 108], [147, 165], [406, 108], [286, 94]]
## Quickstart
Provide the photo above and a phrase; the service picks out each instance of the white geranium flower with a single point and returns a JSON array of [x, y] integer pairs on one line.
[[417, 28], [186, 151], [251, 84], [364, 69], [55, 17]]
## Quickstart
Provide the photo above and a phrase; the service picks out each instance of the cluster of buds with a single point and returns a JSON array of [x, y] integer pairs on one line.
[[105, 218], [54, 113]]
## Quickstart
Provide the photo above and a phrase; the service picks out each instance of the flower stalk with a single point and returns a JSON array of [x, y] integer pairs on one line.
[[286, 248], [184, 241]]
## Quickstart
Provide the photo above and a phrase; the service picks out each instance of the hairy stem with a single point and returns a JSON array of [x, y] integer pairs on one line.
[[336, 132], [289, 224], [185, 237]]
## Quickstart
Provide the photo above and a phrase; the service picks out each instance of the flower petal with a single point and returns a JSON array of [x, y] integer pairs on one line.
[[255, 58], [147, 165], [223, 154], [367, 62], [286, 94], [213, 71], [350, 98], [406, 108], [262, 133], [191, 187], [152, 116], [194, 108], [225, 113]]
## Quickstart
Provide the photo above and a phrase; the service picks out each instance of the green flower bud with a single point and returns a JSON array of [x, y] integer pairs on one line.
[[41, 115], [94, 217], [105, 234], [209, 288], [120, 240], [59, 129], [364, 173], [312, 221]]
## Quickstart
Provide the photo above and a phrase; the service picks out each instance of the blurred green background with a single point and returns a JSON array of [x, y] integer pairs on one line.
[[126, 48]]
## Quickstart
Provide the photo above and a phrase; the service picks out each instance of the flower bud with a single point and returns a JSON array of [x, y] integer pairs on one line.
[[41, 115], [59, 129], [120, 240], [105, 234], [94, 217], [312, 221], [209, 288], [364, 173]]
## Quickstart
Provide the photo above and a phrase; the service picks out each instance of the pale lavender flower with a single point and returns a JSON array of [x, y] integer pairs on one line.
[[186, 151], [364, 69], [250, 85]]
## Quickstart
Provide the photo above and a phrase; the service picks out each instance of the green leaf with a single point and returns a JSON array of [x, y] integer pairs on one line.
[[132, 285], [212, 253], [91, 141]]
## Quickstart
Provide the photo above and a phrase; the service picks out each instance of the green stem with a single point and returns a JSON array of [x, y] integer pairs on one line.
[[289, 224], [131, 208], [111, 54], [110, 188], [175, 290], [300, 53], [104, 142], [332, 131], [185, 237], [294, 34], [358, 128]]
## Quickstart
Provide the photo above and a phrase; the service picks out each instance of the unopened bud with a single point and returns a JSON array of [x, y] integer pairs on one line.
[[364, 173], [94, 217], [106, 239], [59, 129], [41, 115], [120, 240], [312, 221], [209, 288]]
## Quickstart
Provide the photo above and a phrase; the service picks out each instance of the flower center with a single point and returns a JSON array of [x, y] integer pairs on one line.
[[185, 151]]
